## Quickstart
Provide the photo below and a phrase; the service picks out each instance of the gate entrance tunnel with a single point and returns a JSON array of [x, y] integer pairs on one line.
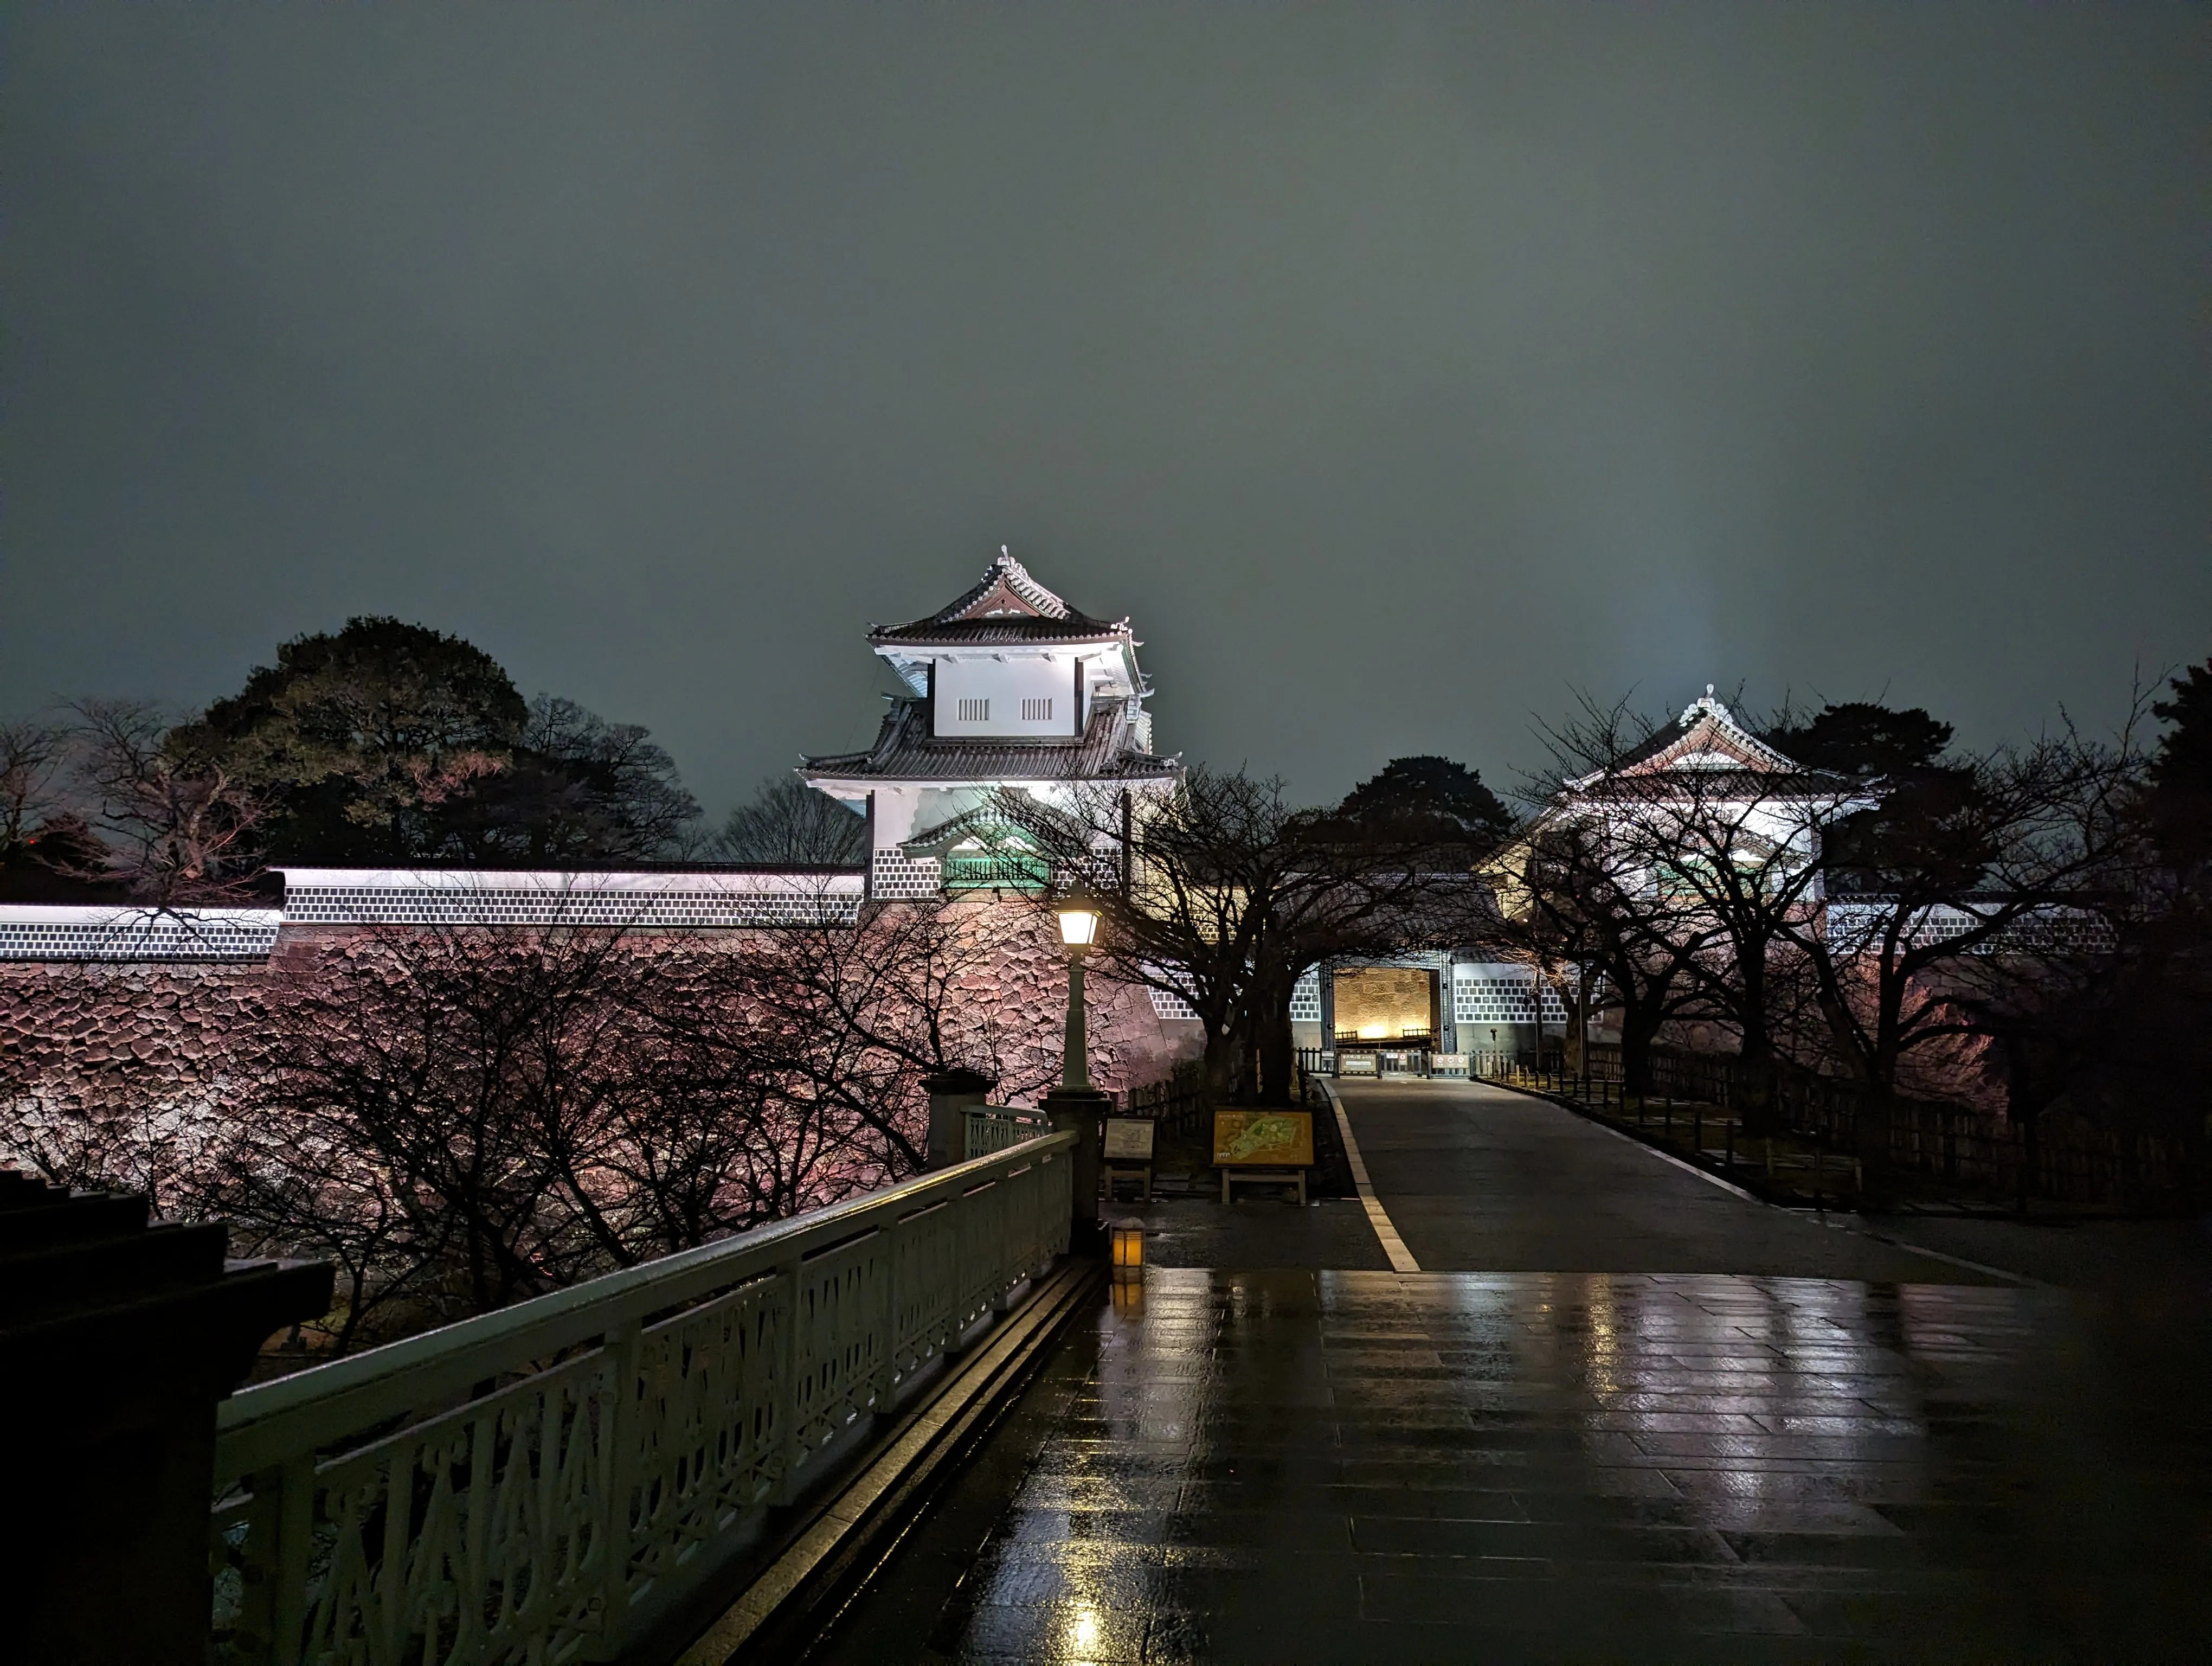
[[1385, 1003]]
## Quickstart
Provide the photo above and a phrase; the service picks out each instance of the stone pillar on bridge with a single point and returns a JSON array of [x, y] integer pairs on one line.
[[118, 1336], [952, 1095], [1082, 1111]]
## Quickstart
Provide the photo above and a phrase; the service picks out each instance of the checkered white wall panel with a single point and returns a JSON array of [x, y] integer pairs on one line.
[[899, 878], [45, 931], [1305, 998], [1489, 995], [1167, 1004], [644, 901]]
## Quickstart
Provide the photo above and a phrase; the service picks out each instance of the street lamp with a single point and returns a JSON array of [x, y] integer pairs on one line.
[[1079, 930]]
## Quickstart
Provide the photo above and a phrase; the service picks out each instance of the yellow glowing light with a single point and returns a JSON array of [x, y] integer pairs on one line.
[[1374, 1033], [1078, 920], [1082, 1630], [1129, 1249]]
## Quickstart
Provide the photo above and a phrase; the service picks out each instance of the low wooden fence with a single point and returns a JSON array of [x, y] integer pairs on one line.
[[1177, 1102], [2063, 1158]]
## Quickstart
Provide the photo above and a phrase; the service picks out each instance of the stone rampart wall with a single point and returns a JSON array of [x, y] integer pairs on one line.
[[164, 1043]]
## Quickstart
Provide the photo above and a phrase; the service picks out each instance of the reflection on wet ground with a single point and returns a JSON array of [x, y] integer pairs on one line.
[[1302, 1466]]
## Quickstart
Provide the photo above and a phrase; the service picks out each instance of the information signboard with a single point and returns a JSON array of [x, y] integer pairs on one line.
[[1263, 1139], [1128, 1139]]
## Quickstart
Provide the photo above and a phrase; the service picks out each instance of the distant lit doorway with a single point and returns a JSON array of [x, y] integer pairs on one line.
[[1387, 1011]]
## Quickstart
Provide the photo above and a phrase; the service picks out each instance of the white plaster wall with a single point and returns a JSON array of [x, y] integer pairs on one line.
[[1005, 684]]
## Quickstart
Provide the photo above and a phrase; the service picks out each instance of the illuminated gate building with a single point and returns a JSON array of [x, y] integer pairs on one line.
[[1445, 1002], [1006, 687]]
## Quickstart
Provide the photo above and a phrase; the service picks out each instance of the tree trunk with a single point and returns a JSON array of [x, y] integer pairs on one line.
[[1277, 1052], [1871, 1127], [1217, 1070], [1753, 1089], [1639, 1026]]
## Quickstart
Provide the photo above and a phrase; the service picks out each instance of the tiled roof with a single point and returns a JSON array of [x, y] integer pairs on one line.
[[1076, 628], [1707, 737], [905, 752], [1005, 605]]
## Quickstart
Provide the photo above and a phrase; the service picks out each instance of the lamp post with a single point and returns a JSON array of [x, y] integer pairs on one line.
[[1075, 1106], [1079, 930]]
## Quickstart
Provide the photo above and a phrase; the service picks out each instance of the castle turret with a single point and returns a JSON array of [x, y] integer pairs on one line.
[[1006, 687]]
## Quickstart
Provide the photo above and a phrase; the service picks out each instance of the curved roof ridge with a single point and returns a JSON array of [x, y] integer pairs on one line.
[[1004, 580], [1706, 736], [1006, 604]]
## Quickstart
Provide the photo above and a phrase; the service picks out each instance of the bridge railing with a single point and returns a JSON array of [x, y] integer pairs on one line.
[[546, 1482], [986, 1129]]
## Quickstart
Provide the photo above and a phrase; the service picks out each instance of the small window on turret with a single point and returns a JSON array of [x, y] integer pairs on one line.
[[1037, 711], [975, 711]]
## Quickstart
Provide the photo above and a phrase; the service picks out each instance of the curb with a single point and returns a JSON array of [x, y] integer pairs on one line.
[[1715, 1176]]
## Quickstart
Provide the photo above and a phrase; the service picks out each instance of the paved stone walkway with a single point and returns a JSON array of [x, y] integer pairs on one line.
[[1478, 1178], [1667, 1458], [1481, 1178], [1288, 1466]]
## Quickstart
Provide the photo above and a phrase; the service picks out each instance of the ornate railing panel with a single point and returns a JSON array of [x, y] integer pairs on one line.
[[989, 1128], [538, 1484]]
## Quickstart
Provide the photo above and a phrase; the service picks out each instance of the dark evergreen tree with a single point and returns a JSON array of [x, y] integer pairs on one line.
[[2180, 798], [1858, 738], [391, 742], [1427, 796]]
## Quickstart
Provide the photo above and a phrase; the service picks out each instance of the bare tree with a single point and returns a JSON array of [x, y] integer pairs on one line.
[[1593, 884], [434, 1099], [178, 821], [789, 824], [461, 1117], [32, 756], [1581, 911], [1225, 895], [1999, 862]]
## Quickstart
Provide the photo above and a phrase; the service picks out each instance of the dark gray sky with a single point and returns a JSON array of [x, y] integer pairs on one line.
[[1396, 367]]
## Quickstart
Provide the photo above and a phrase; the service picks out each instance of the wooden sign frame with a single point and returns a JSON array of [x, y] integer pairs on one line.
[[1129, 1139], [1249, 1139]]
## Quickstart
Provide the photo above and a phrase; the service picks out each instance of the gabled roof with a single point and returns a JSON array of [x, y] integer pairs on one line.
[[1005, 605], [986, 826], [905, 751], [1706, 737]]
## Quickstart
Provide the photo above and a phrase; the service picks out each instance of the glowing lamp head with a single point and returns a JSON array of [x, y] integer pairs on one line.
[[1078, 920], [1129, 1248]]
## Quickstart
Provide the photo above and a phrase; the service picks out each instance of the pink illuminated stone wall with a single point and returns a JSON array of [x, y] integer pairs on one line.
[[159, 1043]]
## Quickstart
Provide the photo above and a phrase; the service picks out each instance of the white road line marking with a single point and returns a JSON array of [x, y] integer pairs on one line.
[[1939, 1254], [1681, 1163], [1401, 1258]]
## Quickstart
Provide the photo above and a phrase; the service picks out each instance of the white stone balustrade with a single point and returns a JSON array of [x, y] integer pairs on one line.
[[382, 1508]]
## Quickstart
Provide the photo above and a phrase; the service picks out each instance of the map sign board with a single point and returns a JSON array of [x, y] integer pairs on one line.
[[1263, 1139], [1128, 1139]]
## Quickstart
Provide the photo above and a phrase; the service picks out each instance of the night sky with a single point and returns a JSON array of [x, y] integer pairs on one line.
[[1396, 368]]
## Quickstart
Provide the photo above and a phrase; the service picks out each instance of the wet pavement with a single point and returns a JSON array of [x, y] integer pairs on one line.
[[1479, 1178], [1288, 1466], [1634, 1462]]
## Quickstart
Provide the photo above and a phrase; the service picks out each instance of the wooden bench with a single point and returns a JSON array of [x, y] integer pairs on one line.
[[1266, 1178]]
